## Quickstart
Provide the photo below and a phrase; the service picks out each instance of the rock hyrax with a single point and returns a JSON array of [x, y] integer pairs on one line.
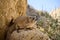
[[25, 22]]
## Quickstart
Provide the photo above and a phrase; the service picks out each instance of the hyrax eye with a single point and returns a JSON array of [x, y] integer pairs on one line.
[[33, 18]]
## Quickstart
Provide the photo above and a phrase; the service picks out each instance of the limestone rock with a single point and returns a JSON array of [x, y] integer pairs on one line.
[[13, 8], [10, 9], [34, 34]]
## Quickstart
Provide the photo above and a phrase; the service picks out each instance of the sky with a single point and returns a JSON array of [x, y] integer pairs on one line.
[[46, 5]]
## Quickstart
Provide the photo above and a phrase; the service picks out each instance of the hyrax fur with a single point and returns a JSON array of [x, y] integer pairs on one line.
[[25, 22]]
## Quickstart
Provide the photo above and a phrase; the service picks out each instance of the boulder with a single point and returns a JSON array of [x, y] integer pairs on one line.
[[34, 34]]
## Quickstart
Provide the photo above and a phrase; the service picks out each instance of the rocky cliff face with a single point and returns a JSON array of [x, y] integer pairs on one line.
[[10, 9]]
